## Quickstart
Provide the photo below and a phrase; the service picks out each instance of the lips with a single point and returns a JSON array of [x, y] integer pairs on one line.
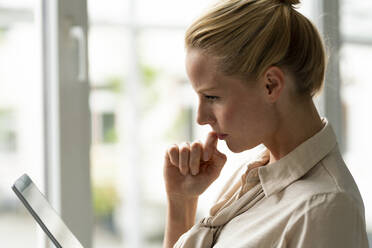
[[221, 136]]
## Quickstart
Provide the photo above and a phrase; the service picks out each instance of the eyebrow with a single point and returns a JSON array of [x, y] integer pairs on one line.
[[207, 89]]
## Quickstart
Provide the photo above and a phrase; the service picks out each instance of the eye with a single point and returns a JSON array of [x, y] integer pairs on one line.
[[211, 98]]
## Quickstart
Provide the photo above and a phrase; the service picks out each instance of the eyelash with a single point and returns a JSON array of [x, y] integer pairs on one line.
[[211, 98]]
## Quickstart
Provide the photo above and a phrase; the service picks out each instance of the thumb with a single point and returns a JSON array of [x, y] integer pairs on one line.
[[218, 161], [219, 158]]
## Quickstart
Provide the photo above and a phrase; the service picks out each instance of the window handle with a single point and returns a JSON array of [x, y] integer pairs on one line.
[[77, 32]]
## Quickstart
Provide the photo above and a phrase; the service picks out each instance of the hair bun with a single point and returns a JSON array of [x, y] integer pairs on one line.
[[290, 2]]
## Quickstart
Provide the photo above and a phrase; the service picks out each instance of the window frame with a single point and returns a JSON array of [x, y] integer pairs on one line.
[[67, 135]]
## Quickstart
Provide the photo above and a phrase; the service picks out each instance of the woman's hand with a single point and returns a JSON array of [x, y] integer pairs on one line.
[[190, 169]]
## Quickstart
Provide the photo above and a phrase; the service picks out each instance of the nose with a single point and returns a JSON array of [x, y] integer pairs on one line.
[[204, 116]]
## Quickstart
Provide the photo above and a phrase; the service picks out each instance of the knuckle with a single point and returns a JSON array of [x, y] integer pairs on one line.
[[184, 149], [173, 152], [195, 156], [184, 168], [194, 161], [194, 167], [206, 150], [173, 155], [173, 148], [196, 146], [184, 157]]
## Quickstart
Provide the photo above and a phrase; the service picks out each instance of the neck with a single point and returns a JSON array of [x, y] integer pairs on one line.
[[293, 129]]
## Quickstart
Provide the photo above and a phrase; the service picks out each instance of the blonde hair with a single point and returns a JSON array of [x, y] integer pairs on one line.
[[249, 36]]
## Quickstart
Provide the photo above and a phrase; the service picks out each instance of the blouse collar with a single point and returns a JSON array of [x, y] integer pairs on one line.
[[278, 175]]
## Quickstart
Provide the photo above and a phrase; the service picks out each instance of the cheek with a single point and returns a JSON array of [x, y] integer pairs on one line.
[[245, 118], [256, 121], [229, 117]]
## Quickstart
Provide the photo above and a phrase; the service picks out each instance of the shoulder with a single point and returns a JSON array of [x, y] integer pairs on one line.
[[326, 202], [329, 181], [325, 193], [332, 219]]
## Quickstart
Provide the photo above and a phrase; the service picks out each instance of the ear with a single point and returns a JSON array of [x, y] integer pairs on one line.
[[273, 82]]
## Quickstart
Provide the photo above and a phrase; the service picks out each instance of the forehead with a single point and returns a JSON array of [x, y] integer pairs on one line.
[[202, 69], [203, 72]]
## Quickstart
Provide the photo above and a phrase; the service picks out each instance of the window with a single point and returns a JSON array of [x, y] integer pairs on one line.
[[104, 128], [139, 85], [21, 126], [8, 132], [355, 64], [136, 103]]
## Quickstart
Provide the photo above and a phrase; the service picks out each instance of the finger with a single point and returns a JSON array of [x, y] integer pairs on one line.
[[184, 155], [195, 154], [219, 158], [167, 161], [209, 146], [173, 153]]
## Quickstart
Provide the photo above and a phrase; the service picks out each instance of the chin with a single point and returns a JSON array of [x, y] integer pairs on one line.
[[238, 148], [235, 149]]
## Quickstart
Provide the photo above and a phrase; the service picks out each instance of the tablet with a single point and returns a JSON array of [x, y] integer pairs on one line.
[[44, 214]]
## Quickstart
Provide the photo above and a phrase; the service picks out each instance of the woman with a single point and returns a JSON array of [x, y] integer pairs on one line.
[[256, 66]]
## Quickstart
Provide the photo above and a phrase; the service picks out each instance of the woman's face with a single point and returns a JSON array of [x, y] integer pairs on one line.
[[235, 109]]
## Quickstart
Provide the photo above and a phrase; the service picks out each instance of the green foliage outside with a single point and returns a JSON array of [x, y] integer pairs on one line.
[[5, 111], [110, 136], [105, 200], [150, 89], [2, 33], [114, 84], [8, 134], [149, 75]]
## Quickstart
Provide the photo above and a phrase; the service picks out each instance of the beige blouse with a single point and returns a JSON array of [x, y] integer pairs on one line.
[[306, 199]]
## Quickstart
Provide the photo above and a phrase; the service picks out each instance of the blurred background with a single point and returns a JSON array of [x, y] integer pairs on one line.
[[123, 62]]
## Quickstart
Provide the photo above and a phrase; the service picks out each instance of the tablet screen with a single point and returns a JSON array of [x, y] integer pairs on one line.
[[44, 214]]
